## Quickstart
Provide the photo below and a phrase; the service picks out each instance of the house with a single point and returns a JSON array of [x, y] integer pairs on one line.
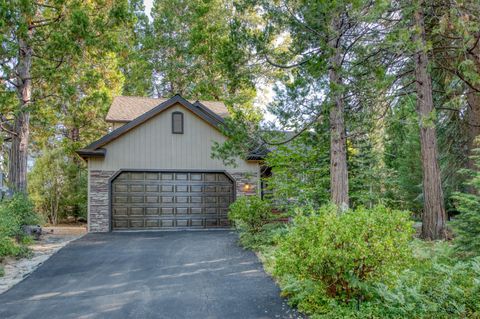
[[154, 169]]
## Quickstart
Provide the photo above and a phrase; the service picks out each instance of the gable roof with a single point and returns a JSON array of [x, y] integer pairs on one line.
[[128, 108], [208, 114], [95, 150]]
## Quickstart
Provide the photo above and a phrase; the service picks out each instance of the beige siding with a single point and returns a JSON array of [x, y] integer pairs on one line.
[[153, 146]]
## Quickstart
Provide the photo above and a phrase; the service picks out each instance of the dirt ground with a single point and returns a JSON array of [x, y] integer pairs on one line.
[[50, 242]]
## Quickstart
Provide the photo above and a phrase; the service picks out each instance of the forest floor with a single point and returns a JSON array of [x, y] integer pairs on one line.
[[50, 242]]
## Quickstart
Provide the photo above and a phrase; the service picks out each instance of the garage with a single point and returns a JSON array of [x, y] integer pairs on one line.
[[155, 169], [170, 200]]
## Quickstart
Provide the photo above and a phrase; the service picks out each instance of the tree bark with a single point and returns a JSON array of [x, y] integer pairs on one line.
[[473, 113], [433, 216], [473, 126], [18, 157], [338, 149]]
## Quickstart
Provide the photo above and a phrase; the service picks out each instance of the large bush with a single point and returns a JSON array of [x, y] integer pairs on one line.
[[327, 258], [250, 213], [14, 213]]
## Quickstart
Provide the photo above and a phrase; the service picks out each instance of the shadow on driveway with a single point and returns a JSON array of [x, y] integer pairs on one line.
[[201, 274]]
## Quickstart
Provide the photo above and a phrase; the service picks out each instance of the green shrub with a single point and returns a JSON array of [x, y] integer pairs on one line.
[[10, 247], [436, 286], [467, 224], [268, 236], [14, 213], [327, 259], [250, 213]]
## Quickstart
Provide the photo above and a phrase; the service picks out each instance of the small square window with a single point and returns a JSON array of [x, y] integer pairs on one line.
[[177, 123]]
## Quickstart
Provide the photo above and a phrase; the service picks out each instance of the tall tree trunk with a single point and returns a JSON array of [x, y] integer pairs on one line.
[[433, 217], [473, 113], [17, 170], [338, 149], [473, 125]]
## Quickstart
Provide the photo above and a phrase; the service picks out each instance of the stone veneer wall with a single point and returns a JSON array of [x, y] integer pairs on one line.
[[99, 214], [243, 179]]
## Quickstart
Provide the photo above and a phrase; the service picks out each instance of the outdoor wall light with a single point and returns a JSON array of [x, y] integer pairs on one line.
[[247, 187]]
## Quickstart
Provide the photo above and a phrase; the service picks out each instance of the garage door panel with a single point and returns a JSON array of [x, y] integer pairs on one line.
[[167, 199], [120, 223], [196, 176], [137, 211], [182, 223], [196, 188], [181, 176], [121, 188], [151, 188], [120, 211], [152, 223], [152, 211], [136, 223], [137, 176], [182, 210], [151, 199], [151, 176], [167, 188], [167, 176], [168, 222], [167, 210], [157, 200]]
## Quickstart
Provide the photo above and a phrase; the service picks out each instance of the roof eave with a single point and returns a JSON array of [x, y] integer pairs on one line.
[[88, 153]]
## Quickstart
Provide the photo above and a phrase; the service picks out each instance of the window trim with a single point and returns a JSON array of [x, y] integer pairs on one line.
[[182, 122]]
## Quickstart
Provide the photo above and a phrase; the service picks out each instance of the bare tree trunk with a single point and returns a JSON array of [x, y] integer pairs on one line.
[[433, 217], [338, 149], [473, 126], [17, 170]]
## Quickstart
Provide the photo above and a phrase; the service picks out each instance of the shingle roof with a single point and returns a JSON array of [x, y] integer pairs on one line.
[[127, 108]]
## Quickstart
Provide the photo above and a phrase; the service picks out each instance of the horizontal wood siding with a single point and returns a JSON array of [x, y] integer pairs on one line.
[[153, 146]]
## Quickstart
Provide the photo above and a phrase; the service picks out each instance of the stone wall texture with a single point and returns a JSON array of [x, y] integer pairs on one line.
[[99, 213], [246, 183]]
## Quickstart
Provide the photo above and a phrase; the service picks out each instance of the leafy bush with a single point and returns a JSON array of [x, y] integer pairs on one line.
[[467, 224], [14, 213], [268, 236], [250, 213], [327, 259]]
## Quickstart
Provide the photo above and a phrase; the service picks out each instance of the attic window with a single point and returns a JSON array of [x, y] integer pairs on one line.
[[177, 123]]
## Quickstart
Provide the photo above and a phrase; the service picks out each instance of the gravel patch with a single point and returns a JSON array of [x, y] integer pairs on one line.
[[54, 239]]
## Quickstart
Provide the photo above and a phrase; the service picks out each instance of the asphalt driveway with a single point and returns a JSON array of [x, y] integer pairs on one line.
[[202, 274]]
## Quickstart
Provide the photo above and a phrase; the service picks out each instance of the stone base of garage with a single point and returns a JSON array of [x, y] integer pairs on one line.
[[246, 183]]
